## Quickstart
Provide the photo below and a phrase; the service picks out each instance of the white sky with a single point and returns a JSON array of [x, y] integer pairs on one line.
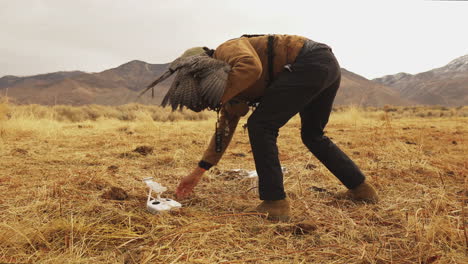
[[370, 38]]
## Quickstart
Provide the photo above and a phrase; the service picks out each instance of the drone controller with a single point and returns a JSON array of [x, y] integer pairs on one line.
[[158, 204]]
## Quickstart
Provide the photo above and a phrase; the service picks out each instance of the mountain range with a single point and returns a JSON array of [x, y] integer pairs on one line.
[[115, 86], [447, 85]]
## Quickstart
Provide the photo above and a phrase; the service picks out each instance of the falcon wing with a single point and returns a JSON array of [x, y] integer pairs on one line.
[[199, 83], [184, 91], [213, 75], [175, 65], [163, 77]]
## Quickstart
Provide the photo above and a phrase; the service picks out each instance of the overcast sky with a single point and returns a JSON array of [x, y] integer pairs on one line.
[[370, 38]]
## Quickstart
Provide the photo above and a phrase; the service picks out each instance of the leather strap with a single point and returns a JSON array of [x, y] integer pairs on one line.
[[271, 57], [270, 54]]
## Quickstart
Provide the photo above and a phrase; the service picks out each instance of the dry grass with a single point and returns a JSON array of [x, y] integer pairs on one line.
[[129, 112], [54, 172], [4, 109]]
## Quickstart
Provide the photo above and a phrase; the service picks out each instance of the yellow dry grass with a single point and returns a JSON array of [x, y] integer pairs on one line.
[[53, 172]]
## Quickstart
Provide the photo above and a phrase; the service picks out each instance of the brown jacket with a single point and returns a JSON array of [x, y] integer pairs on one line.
[[248, 78]]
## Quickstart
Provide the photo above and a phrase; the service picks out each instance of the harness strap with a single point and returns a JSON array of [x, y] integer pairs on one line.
[[270, 54], [271, 57], [218, 135]]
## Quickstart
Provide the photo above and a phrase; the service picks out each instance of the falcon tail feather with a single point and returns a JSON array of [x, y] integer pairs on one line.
[[161, 78]]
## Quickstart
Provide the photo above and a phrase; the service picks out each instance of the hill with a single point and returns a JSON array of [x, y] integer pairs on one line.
[[447, 85], [121, 85], [357, 90], [115, 86]]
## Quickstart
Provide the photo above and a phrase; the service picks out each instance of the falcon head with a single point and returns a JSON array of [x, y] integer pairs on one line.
[[199, 83]]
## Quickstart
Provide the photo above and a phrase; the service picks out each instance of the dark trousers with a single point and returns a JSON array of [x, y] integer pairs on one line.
[[309, 89]]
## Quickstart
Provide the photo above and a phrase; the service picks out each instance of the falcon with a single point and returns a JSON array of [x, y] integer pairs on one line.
[[199, 83]]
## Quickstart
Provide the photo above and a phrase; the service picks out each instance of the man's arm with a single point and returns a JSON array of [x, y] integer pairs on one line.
[[230, 115], [246, 67]]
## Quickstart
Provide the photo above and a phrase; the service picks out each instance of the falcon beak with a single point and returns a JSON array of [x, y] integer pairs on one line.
[[161, 78]]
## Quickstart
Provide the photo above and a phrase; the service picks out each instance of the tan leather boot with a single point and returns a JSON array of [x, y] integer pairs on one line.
[[363, 193], [276, 210]]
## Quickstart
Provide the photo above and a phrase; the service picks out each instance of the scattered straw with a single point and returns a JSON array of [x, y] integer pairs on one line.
[[54, 171]]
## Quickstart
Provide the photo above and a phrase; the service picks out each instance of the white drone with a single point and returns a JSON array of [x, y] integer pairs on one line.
[[158, 204]]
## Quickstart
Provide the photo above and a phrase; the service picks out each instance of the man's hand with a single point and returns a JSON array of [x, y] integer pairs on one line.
[[188, 183]]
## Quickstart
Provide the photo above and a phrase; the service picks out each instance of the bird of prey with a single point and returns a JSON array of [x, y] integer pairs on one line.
[[198, 85]]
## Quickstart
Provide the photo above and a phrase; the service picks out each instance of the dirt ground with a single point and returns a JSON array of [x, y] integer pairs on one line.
[[55, 207]]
